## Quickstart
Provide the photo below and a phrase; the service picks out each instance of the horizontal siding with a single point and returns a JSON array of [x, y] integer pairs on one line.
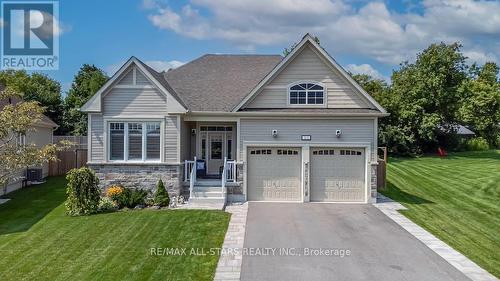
[[171, 138], [128, 78], [309, 66], [353, 130], [97, 138], [41, 137], [270, 98], [133, 102], [141, 79]]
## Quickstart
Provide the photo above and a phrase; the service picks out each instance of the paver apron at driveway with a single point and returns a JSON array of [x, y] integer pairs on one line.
[[379, 248]]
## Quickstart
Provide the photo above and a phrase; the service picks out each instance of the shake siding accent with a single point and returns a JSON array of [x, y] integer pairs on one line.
[[97, 138], [141, 79], [134, 102], [309, 66], [321, 131], [128, 78], [171, 138]]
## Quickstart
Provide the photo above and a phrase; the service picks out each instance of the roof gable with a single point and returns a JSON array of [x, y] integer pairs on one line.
[[308, 40], [132, 71]]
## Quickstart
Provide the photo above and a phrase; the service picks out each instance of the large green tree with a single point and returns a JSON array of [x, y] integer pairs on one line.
[[480, 106], [86, 83], [424, 96], [36, 87], [375, 87]]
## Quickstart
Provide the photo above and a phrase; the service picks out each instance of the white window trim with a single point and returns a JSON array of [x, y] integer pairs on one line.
[[125, 143], [325, 94]]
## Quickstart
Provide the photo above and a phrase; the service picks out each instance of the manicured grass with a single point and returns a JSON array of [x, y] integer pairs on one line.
[[456, 198], [38, 241]]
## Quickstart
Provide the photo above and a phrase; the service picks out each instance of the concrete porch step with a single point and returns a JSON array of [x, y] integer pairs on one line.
[[203, 194], [207, 188], [208, 183], [206, 200]]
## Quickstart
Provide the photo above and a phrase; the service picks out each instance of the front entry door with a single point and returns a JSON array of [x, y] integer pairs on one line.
[[215, 153]]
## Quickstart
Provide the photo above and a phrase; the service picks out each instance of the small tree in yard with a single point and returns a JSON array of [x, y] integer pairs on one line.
[[18, 120], [161, 196], [83, 192]]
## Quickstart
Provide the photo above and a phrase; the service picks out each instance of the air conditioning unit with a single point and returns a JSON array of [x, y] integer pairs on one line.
[[34, 175]]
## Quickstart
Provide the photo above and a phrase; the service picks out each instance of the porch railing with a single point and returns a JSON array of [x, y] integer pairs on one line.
[[188, 166], [224, 178], [192, 178], [231, 170]]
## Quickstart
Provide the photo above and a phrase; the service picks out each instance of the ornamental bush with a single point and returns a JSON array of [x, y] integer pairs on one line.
[[161, 195], [83, 192], [107, 205], [477, 144], [114, 191]]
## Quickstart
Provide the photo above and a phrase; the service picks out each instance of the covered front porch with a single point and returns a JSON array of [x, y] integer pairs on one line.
[[210, 166]]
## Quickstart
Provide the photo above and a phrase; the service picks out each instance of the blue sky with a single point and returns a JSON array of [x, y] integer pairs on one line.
[[364, 36]]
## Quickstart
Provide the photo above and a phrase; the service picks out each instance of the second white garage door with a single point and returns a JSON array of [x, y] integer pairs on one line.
[[274, 174], [337, 174]]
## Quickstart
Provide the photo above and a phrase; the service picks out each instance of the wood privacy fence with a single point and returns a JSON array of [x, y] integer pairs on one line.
[[382, 169], [75, 157]]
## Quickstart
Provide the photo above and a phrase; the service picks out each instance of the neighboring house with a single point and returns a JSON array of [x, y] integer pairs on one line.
[[457, 129], [41, 136], [295, 128]]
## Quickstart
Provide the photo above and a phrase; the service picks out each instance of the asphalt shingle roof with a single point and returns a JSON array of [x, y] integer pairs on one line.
[[219, 82]]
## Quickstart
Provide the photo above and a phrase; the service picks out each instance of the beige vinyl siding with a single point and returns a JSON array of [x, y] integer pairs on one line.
[[141, 79], [41, 137], [96, 138], [270, 98], [307, 65], [134, 102], [171, 139], [128, 78], [321, 131]]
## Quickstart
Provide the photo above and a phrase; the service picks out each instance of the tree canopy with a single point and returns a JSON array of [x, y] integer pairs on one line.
[[36, 87], [434, 94], [86, 83]]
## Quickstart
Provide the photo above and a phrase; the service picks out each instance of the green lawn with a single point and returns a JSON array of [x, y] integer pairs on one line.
[[38, 241], [456, 198]]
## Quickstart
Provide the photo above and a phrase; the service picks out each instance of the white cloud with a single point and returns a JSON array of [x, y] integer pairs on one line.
[[372, 31], [160, 66], [365, 69], [157, 65], [479, 56]]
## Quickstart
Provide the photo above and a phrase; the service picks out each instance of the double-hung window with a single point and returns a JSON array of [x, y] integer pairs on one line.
[[306, 94], [134, 141]]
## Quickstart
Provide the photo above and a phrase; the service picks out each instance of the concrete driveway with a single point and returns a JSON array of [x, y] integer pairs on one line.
[[279, 235]]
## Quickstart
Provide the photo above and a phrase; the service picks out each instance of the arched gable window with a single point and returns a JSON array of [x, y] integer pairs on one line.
[[307, 93]]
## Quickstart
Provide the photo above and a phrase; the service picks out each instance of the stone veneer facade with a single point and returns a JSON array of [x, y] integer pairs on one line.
[[143, 176]]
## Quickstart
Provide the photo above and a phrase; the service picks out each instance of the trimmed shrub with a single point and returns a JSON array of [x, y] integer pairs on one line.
[[130, 198], [106, 205], [83, 192], [476, 144], [161, 195], [137, 197]]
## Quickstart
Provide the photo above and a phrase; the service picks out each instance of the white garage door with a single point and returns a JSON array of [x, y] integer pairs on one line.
[[337, 174], [274, 174]]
